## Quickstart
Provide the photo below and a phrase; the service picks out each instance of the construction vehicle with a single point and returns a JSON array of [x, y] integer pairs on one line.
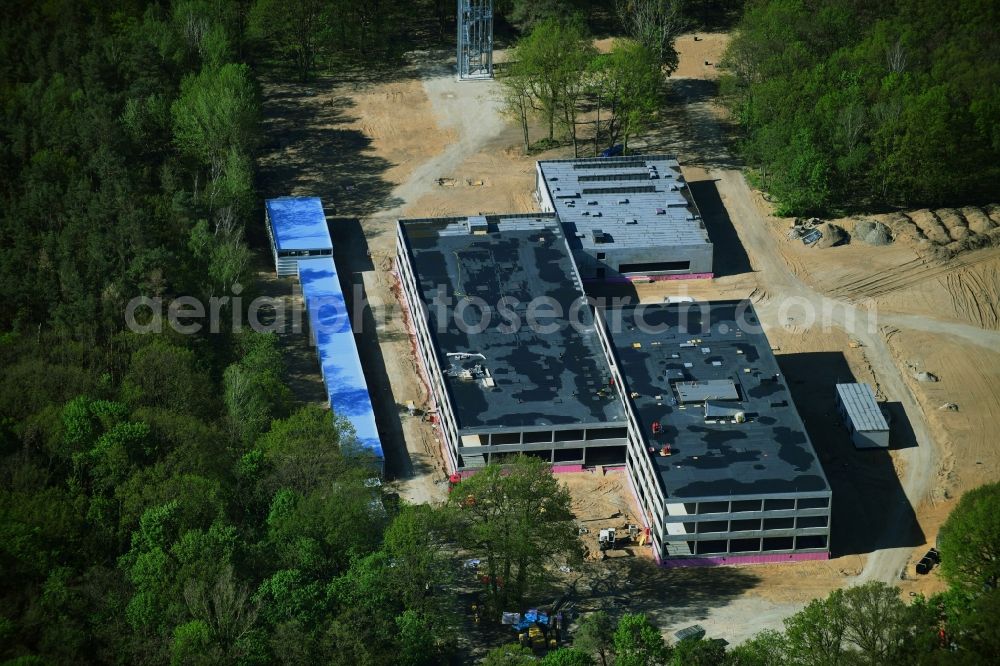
[[611, 538], [606, 539]]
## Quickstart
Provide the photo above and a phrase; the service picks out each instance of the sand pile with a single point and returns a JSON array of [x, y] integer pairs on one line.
[[832, 235]]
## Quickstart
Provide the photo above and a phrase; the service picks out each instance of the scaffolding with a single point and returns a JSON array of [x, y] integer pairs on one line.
[[475, 39]]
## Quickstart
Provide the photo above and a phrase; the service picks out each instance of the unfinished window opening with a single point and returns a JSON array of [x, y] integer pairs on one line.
[[712, 526], [606, 455], [540, 437], [569, 435], [779, 504], [712, 547], [779, 543], [814, 503], [805, 522], [744, 545], [655, 267], [606, 433], [746, 505], [505, 438], [568, 455], [804, 542], [744, 525], [541, 455], [713, 507], [779, 523]]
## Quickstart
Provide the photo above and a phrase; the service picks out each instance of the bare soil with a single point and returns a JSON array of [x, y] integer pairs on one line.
[[601, 500]]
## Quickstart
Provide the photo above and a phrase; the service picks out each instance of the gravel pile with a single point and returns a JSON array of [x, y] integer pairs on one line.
[[873, 233]]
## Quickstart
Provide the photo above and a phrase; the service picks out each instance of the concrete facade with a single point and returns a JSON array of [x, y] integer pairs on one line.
[[626, 218]]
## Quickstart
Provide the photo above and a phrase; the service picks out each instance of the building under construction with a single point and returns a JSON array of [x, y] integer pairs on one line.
[[627, 218], [500, 384], [687, 397]]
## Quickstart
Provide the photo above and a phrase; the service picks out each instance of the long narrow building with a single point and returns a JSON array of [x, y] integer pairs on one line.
[[331, 332], [301, 245]]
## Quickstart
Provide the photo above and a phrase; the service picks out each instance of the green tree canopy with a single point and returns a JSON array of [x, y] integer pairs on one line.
[[638, 642], [970, 540], [551, 58], [596, 635], [861, 103], [517, 518]]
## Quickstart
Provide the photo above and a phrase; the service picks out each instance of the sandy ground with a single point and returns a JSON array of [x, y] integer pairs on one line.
[[425, 145], [603, 500]]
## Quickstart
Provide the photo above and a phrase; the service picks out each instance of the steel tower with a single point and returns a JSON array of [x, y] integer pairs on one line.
[[475, 39]]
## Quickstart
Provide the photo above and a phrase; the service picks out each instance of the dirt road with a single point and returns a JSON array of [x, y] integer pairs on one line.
[[466, 115]]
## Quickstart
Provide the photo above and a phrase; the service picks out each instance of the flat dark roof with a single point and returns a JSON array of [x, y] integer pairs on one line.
[[501, 378], [715, 456]]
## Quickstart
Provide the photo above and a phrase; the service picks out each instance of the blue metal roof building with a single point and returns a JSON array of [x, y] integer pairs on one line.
[[297, 229], [340, 364]]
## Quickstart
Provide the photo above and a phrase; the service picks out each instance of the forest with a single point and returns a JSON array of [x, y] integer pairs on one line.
[[850, 104], [163, 497]]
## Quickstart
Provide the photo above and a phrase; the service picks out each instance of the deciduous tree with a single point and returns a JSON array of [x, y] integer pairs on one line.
[[596, 634], [970, 540], [552, 59], [627, 83], [517, 518], [638, 642], [655, 24]]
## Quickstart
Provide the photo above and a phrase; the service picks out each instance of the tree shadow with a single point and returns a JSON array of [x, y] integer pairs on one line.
[[398, 462], [870, 509], [307, 150], [691, 128], [302, 371], [667, 596], [729, 256]]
